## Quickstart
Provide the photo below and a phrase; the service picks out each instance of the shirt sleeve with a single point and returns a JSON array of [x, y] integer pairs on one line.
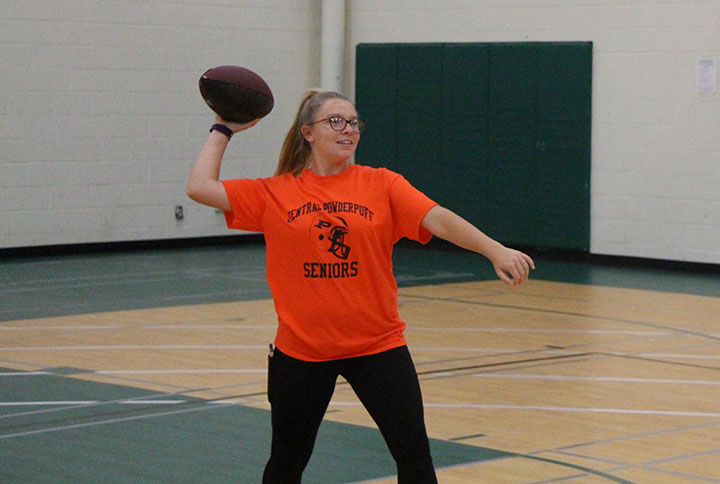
[[409, 206], [247, 199]]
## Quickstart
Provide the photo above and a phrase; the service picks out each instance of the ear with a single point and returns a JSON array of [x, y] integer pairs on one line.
[[306, 132]]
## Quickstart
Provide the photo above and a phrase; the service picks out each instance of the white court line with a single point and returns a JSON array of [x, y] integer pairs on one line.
[[471, 406], [448, 349], [172, 372], [89, 402], [129, 277], [49, 403], [273, 326], [532, 408], [25, 373], [595, 379], [460, 349], [625, 411], [472, 349], [133, 327], [206, 326], [105, 422], [141, 372], [60, 328], [540, 330], [134, 347]]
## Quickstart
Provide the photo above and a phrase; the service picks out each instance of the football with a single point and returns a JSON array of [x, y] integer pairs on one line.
[[235, 93]]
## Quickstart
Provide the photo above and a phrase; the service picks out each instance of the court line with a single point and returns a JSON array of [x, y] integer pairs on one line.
[[219, 401], [173, 372], [206, 326], [251, 274], [50, 403], [414, 348], [666, 360], [443, 372], [134, 347], [567, 313], [513, 455], [181, 393], [565, 449], [451, 349], [540, 331], [675, 458], [668, 355], [91, 282], [274, 326], [475, 349], [482, 406], [407, 278], [134, 327], [499, 376], [651, 464], [449, 372], [595, 379], [26, 433], [648, 465], [61, 328], [624, 411], [100, 403], [225, 400], [72, 403], [24, 373], [584, 469], [685, 475], [455, 372]]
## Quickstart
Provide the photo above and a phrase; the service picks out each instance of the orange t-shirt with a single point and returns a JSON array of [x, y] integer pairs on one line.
[[329, 243]]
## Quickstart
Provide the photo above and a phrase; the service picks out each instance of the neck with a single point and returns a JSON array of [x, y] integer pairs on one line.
[[328, 169]]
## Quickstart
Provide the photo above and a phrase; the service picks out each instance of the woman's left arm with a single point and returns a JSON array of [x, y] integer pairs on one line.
[[512, 266]]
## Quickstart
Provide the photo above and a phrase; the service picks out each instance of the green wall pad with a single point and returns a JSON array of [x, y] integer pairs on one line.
[[497, 132]]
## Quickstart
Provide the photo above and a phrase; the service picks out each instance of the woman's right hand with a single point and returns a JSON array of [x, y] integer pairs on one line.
[[236, 127]]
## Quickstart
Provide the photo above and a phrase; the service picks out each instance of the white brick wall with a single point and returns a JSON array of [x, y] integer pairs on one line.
[[101, 117], [655, 187]]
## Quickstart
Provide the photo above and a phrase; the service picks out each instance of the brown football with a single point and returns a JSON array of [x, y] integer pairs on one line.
[[235, 93]]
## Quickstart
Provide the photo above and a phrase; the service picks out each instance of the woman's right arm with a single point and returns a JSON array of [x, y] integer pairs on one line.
[[204, 185]]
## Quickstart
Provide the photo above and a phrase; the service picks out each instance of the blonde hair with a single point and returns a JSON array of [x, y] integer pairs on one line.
[[295, 151]]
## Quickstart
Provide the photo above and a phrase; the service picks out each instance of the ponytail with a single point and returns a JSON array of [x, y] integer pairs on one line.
[[295, 151]]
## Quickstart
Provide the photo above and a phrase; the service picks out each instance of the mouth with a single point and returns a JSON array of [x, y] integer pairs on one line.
[[345, 142]]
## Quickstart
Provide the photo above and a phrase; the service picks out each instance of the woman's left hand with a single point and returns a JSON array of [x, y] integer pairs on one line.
[[512, 266]]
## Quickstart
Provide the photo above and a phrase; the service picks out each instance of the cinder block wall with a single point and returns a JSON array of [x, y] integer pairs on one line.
[[101, 117]]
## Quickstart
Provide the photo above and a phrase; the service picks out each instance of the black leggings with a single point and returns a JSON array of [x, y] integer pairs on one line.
[[386, 384]]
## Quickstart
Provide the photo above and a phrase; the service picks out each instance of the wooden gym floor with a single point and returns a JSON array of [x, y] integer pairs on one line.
[[150, 366]]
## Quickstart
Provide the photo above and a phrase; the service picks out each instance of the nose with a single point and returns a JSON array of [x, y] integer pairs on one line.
[[347, 128]]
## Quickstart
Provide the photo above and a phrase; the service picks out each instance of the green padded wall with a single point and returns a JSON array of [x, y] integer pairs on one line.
[[512, 138], [497, 132], [563, 154]]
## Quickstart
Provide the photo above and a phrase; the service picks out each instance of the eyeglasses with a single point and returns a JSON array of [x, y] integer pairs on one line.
[[338, 123]]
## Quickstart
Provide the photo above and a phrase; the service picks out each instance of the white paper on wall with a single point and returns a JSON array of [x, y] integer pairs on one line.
[[706, 75]]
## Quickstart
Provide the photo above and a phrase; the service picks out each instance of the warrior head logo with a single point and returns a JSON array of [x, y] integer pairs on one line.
[[330, 234]]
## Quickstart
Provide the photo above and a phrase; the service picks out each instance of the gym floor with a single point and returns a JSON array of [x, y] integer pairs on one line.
[[147, 365]]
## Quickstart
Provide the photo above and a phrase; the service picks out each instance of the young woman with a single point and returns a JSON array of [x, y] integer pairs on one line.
[[329, 228]]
